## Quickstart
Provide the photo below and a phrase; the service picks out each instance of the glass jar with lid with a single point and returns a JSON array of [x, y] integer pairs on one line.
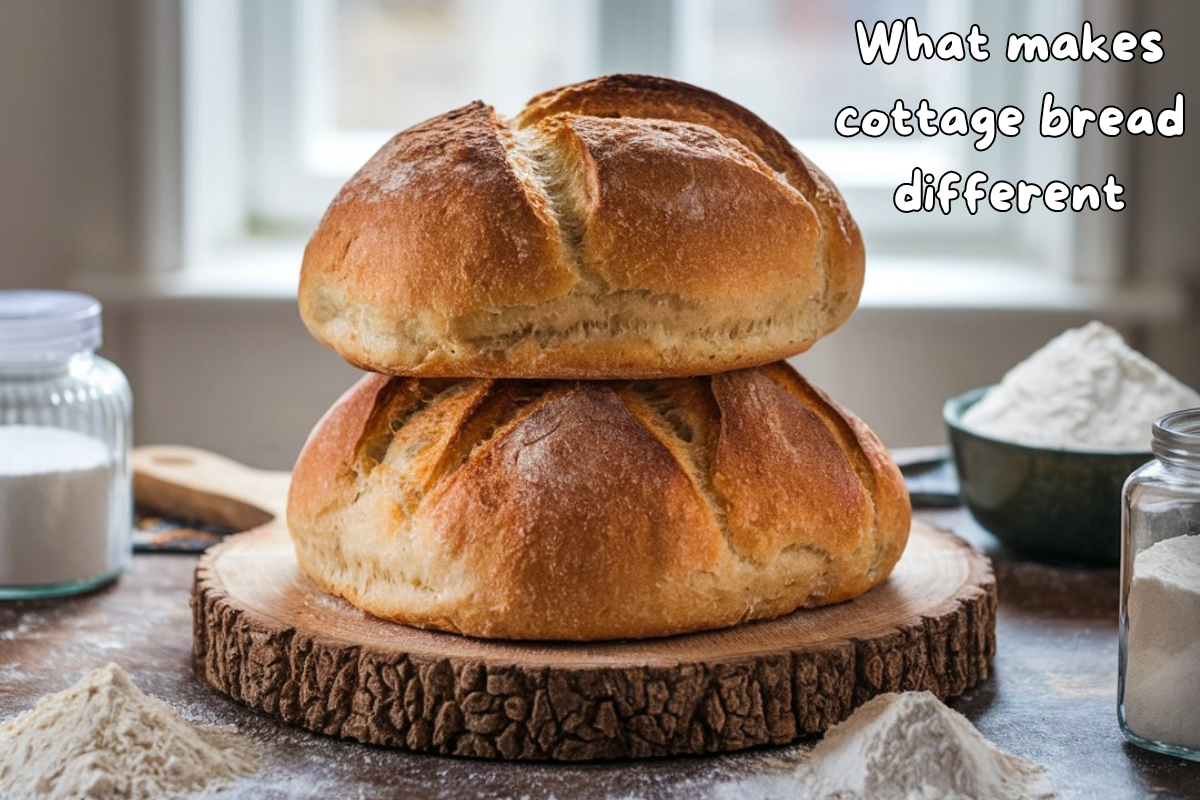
[[1159, 684], [65, 486]]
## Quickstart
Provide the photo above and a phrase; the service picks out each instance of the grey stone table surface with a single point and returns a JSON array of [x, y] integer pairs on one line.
[[1051, 698]]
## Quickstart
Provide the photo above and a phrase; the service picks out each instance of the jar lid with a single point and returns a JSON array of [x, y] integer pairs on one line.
[[40, 325]]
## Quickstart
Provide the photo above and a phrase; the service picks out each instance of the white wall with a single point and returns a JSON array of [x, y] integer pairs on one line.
[[244, 378], [66, 152], [1165, 231]]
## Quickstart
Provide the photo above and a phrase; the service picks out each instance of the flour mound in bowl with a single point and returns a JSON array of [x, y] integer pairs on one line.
[[104, 739], [1085, 390]]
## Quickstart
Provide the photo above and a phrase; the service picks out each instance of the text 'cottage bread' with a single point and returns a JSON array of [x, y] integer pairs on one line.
[[594, 510], [626, 227]]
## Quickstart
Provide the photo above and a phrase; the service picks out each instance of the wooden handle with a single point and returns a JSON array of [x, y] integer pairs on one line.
[[196, 484]]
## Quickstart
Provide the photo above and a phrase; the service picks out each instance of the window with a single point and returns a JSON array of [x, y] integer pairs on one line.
[[326, 82], [340, 77]]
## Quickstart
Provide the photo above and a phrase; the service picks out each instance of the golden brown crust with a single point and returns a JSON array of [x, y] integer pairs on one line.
[[626, 247], [623, 227], [594, 510], [436, 225], [764, 472], [652, 97]]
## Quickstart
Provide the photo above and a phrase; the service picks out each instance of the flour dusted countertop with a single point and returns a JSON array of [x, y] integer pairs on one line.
[[1052, 699]]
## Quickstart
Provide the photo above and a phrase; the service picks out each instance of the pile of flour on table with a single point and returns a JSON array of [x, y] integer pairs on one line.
[[1084, 390], [103, 738], [911, 746]]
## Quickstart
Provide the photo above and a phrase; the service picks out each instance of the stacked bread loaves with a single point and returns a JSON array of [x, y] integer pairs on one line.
[[578, 426]]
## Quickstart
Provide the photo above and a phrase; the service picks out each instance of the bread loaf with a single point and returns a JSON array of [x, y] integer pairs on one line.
[[626, 227], [594, 510]]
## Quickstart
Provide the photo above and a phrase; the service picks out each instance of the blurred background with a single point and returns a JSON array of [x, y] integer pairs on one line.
[[171, 157]]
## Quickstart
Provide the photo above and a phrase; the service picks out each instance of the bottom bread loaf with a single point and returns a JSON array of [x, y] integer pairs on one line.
[[596, 509]]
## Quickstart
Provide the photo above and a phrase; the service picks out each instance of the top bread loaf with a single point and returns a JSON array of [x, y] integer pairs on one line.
[[626, 227]]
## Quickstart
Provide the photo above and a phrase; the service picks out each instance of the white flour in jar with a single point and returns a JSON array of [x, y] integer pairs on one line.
[[55, 507], [1162, 674], [1086, 389]]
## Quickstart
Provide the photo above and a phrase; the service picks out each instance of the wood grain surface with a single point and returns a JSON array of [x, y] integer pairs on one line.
[[266, 635]]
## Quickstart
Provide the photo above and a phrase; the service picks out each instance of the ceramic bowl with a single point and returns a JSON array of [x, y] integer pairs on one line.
[[1060, 505]]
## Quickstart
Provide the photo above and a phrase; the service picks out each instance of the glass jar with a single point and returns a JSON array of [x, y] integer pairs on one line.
[[65, 488], [1158, 695]]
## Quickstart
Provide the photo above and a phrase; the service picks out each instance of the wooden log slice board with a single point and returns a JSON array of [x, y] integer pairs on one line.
[[269, 637]]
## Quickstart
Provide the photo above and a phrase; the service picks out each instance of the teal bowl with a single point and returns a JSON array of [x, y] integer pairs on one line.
[[1058, 505]]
